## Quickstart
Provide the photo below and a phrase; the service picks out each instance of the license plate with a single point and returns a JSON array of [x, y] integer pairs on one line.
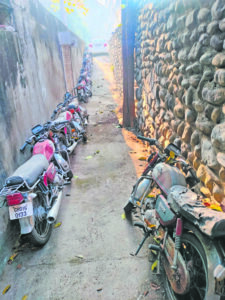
[[21, 211]]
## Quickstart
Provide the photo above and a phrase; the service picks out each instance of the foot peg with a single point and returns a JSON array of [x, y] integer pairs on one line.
[[140, 225], [154, 247]]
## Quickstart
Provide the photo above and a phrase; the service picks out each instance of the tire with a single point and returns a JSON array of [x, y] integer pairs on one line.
[[128, 208], [42, 230], [194, 254], [84, 138], [69, 174]]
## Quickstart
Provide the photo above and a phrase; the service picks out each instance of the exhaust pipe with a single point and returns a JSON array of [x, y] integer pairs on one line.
[[53, 213], [71, 148]]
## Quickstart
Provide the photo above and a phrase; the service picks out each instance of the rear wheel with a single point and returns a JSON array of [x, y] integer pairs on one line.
[[42, 229], [195, 258]]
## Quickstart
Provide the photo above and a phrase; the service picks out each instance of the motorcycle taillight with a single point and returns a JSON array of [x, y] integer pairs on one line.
[[72, 111], [14, 199], [79, 87]]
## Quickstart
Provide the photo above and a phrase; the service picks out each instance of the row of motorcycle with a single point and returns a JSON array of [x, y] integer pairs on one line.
[[84, 86], [33, 192]]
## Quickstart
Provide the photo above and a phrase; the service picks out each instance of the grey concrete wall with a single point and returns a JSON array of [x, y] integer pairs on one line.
[[180, 74], [31, 80]]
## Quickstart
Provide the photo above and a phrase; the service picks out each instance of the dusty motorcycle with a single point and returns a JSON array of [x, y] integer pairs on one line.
[[190, 237], [74, 131], [33, 192], [83, 91]]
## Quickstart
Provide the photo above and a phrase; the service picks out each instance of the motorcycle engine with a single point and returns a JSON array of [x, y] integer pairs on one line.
[[150, 217], [58, 180]]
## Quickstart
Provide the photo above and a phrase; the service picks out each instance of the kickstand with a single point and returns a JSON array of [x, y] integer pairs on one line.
[[147, 234]]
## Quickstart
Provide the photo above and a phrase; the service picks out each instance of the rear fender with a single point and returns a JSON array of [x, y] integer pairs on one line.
[[26, 224]]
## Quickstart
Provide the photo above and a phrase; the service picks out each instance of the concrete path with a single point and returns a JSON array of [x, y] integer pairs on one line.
[[87, 257]]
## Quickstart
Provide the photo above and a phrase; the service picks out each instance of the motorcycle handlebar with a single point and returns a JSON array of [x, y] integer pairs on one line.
[[22, 149], [193, 174], [150, 141]]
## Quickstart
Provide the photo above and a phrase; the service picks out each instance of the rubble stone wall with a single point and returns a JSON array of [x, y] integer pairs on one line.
[[180, 77], [115, 52]]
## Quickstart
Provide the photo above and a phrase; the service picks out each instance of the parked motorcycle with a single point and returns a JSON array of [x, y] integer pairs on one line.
[[190, 237], [74, 131], [83, 91], [33, 192]]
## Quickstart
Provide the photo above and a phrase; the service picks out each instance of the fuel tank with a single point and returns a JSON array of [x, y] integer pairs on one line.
[[167, 176], [46, 148]]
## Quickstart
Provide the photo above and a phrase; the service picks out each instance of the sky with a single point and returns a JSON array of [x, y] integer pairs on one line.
[[89, 19]]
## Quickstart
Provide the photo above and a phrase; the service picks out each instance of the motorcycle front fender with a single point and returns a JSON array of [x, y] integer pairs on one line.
[[26, 224]]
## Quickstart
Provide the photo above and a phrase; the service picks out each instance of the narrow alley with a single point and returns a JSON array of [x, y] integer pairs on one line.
[[88, 256]]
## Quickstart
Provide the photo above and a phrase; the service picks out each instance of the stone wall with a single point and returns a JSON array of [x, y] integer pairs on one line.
[[115, 52], [32, 79], [180, 77]]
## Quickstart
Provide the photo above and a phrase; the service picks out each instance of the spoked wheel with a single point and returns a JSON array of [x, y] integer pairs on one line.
[[195, 258], [42, 229]]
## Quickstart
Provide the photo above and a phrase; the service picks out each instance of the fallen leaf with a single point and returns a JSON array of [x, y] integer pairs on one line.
[[89, 157], [142, 158], [75, 177], [216, 207], [157, 240], [25, 297], [99, 290], [155, 286], [57, 225], [132, 152], [97, 152], [19, 266], [113, 111], [123, 216], [154, 265], [12, 257], [6, 289], [101, 112], [151, 196], [80, 256]]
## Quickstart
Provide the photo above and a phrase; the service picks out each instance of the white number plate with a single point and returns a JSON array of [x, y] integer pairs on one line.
[[21, 211]]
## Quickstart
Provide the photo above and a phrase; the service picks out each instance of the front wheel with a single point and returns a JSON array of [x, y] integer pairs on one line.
[[196, 262], [128, 208], [84, 138]]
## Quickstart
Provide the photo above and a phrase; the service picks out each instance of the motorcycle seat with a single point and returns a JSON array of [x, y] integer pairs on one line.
[[29, 171], [187, 203]]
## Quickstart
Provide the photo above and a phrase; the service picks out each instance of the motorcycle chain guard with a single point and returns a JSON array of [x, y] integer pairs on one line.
[[179, 278]]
